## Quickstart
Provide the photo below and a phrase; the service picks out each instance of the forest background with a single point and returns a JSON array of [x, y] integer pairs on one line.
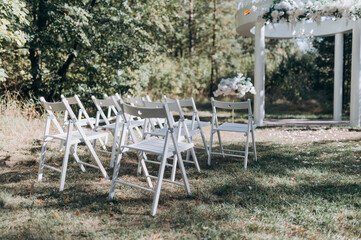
[[176, 47]]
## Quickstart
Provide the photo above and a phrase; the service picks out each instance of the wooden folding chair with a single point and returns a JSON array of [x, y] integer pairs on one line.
[[194, 125], [69, 139], [247, 129], [166, 147]]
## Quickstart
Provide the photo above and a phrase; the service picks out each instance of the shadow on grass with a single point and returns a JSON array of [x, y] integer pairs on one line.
[[219, 191]]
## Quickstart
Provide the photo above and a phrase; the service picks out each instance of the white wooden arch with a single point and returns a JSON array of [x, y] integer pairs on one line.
[[252, 25]]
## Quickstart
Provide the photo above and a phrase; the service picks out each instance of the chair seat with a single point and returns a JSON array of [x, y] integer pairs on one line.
[[159, 120], [234, 127], [136, 123], [77, 138], [156, 145], [163, 131], [189, 124], [85, 122]]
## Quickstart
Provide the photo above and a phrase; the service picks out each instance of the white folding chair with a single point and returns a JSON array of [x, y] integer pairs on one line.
[[166, 148], [194, 125], [69, 138], [109, 118], [83, 116], [134, 102], [247, 129], [139, 102], [114, 110], [180, 127]]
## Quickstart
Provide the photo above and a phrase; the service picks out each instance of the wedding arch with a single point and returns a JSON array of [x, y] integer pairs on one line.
[[286, 19]]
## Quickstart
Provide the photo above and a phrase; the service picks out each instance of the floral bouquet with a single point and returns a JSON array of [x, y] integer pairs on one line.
[[237, 86], [293, 10]]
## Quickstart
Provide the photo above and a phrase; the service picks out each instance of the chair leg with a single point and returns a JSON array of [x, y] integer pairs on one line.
[[61, 145], [75, 148], [220, 142], [204, 142], [210, 149], [141, 155], [115, 174], [159, 185], [174, 167], [115, 143], [194, 156], [95, 156], [145, 170], [94, 143], [184, 174], [75, 155], [254, 146], [101, 143], [106, 140], [188, 155], [138, 131], [64, 166], [42, 160], [188, 152], [246, 151]]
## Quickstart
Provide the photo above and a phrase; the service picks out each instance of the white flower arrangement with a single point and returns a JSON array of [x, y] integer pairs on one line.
[[293, 10], [238, 86]]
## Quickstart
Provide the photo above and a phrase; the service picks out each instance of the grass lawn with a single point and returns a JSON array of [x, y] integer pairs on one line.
[[306, 185]]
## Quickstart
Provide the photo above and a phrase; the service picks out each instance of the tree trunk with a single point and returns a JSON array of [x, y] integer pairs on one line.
[[62, 74], [190, 27], [213, 54], [40, 17], [35, 71]]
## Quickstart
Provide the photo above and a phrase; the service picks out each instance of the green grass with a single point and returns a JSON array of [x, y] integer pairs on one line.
[[303, 190], [282, 115], [306, 185]]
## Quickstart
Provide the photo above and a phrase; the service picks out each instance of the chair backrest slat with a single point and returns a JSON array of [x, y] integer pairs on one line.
[[231, 105], [153, 104], [71, 100], [144, 112], [137, 101], [107, 102], [183, 102], [62, 106], [186, 102], [173, 106], [82, 112], [110, 103], [53, 106]]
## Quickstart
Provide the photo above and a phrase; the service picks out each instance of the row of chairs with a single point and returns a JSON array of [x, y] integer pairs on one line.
[[158, 133]]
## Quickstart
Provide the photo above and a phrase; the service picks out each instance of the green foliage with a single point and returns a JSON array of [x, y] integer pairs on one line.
[[12, 17], [324, 64], [92, 47], [294, 85]]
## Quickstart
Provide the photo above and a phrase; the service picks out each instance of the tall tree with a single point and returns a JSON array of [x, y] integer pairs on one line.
[[213, 54], [190, 26]]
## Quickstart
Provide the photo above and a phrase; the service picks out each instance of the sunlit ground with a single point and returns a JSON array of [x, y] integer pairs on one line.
[[306, 184]]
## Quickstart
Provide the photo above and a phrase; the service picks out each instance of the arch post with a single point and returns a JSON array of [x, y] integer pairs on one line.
[[338, 77], [259, 73], [355, 76]]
